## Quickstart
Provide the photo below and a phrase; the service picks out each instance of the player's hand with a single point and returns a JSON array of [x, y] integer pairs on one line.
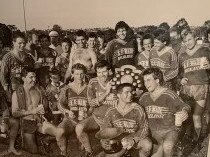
[[38, 110], [127, 142], [109, 87], [184, 81], [69, 114]]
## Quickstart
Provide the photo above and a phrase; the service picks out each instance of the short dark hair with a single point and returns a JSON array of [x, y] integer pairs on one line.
[[44, 36], [92, 35], [156, 72], [18, 35], [67, 40], [147, 36], [102, 64], [121, 24], [27, 70], [80, 33], [55, 72], [79, 66], [162, 35], [120, 87], [187, 32], [100, 34]]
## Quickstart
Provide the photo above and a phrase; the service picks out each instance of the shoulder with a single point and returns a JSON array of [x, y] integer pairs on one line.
[[144, 96], [7, 56], [112, 42], [138, 107], [204, 48], [170, 94], [110, 111]]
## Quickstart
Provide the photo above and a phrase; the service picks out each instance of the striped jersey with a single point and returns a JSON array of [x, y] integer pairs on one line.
[[12, 68], [166, 60], [196, 67], [46, 57], [133, 122], [94, 91], [75, 101], [160, 111], [142, 59], [120, 53]]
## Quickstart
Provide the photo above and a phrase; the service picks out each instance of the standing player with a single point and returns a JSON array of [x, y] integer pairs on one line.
[[45, 55], [62, 61], [161, 105], [74, 105], [122, 50], [99, 98], [81, 55], [12, 67], [195, 65], [32, 45], [142, 58], [164, 57], [13, 63]]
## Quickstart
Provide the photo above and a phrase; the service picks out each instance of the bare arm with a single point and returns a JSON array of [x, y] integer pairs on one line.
[[93, 58], [68, 71]]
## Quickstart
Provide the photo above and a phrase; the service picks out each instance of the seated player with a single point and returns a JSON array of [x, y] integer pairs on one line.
[[29, 105], [100, 99], [73, 104], [132, 119], [162, 106]]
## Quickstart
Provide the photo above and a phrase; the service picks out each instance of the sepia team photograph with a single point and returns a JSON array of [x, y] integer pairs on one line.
[[104, 78]]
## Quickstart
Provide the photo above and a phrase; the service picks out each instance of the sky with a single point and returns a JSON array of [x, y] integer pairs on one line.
[[76, 14]]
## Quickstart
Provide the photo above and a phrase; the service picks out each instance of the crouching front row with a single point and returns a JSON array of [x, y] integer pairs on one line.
[[122, 123], [138, 128]]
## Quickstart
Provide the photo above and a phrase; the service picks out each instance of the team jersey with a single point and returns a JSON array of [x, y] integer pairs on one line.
[[119, 53], [12, 68], [142, 59], [160, 111], [133, 122], [196, 67], [94, 91], [74, 101], [166, 60], [46, 57]]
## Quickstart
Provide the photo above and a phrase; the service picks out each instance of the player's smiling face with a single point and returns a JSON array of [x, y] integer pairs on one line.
[[150, 82], [189, 41], [78, 75], [102, 74], [126, 95], [121, 33], [158, 45]]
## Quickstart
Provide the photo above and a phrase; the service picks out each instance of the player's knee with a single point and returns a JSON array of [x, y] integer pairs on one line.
[[146, 145], [168, 146], [79, 129], [197, 121], [60, 132]]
